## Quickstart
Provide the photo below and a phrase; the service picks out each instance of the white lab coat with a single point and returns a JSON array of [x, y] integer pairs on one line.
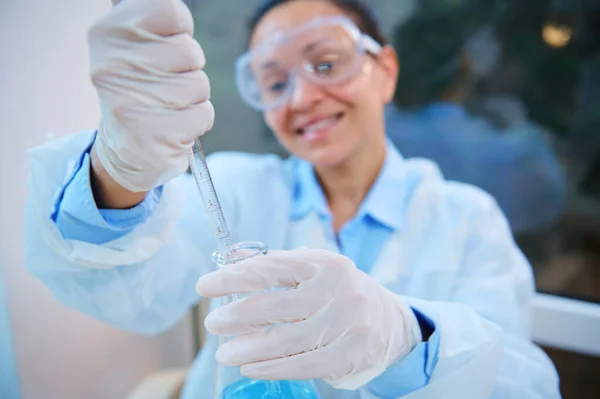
[[453, 259]]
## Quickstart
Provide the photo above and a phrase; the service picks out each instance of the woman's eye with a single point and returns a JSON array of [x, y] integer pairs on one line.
[[276, 87], [324, 67], [272, 84]]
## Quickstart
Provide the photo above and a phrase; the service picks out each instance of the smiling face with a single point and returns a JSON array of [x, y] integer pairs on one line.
[[327, 125]]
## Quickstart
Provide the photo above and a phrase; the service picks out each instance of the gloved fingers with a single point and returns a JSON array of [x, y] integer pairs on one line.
[[159, 127], [170, 91], [258, 311], [192, 121], [126, 89], [160, 17], [277, 342], [276, 269], [182, 90], [327, 362], [187, 54], [177, 53]]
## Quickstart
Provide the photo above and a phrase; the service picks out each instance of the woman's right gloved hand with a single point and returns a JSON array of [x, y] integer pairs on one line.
[[153, 93]]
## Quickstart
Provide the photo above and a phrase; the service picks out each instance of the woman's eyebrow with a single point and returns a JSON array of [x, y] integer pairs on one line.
[[307, 49], [311, 46], [269, 65]]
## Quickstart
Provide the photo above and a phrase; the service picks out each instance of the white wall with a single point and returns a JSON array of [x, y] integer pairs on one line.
[[44, 86]]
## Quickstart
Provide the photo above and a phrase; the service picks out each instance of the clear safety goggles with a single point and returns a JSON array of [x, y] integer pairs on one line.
[[326, 51]]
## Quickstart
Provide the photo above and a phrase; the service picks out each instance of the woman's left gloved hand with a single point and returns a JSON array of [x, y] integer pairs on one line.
[[335, 323]]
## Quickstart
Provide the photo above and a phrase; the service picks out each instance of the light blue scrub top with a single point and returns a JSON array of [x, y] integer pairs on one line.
[[361, 239]]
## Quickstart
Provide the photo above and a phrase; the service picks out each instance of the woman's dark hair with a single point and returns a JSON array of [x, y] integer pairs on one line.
[[360, 13]]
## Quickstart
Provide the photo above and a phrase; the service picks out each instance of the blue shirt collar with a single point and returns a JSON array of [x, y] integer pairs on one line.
[[385, 202]]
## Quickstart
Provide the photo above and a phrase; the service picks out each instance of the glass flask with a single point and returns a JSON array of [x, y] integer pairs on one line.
[[229, 383]]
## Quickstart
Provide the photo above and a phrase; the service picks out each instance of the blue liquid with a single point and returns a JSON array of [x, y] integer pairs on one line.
[[254, 389]]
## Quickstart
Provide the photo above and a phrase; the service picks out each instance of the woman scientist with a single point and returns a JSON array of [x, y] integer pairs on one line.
[[405, 285]]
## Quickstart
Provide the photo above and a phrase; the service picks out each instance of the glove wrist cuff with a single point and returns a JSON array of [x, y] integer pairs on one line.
[[129, 177], [405, 333]]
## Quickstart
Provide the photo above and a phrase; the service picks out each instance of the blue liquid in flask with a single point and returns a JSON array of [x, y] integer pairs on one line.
[[254, 389]]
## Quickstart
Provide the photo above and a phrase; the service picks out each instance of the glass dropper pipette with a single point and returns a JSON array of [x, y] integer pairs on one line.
[[212, 206]]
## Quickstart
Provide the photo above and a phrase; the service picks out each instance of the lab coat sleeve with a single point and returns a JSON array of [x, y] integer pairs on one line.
[[483, 332], [497, 284], [410, 373], [78, 218], [143, 281]]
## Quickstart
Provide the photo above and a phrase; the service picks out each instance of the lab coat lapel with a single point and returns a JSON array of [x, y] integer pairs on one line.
[[308, 231], [410, 263], [394, 260], [388, 267]]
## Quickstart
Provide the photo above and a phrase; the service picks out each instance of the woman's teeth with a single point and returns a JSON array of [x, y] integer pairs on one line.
[[322, 124]]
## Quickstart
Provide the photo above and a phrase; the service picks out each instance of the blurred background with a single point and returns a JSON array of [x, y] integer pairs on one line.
[[503, 94]]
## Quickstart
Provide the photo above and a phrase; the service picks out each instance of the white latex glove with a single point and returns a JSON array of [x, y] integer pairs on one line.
[[335, 324], [153, 92]]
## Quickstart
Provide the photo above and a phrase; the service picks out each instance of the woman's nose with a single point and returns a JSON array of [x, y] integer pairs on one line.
[[305, 93]]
